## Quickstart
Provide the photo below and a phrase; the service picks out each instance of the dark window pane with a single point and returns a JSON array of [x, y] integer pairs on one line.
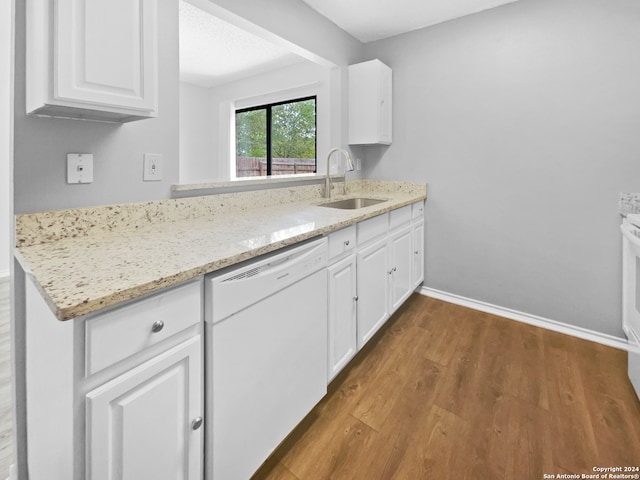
[[251, 143]]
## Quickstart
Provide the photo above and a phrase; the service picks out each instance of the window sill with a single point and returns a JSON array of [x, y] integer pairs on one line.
[[251, 182]]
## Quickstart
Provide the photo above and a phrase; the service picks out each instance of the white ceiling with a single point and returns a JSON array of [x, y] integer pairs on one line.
[[369, 20], [213, 52]]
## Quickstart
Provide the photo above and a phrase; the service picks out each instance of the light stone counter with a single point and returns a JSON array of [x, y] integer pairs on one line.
[[84, 260]]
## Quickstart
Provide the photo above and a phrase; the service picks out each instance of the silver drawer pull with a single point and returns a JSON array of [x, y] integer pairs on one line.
[[157, 326], [196, 424], [416, 252], [346, 243]]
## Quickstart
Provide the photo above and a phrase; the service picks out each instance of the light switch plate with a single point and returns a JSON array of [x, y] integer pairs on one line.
[[152, 167], [79, 168]]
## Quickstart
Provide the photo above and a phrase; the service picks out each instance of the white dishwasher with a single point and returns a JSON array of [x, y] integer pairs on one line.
[[266, 355]]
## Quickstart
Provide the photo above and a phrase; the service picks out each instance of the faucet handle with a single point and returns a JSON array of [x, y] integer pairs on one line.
[[348, 163]]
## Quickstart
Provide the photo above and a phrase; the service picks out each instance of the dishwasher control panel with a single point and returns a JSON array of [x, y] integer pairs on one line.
[[312, 264], [234, 289]]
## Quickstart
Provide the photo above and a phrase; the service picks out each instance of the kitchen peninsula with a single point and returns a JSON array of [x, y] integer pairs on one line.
[[114, 313]]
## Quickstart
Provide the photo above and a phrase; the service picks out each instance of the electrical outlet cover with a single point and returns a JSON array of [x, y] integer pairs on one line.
[[152, 167], [79, 168]]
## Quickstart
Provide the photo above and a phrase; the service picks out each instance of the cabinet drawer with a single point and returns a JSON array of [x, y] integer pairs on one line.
[[125, 331], [399, 217], [342, 241], [372, 228], [417, 211]]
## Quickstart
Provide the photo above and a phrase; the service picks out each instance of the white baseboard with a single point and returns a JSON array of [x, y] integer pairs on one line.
[[4, 274], [534, 320]]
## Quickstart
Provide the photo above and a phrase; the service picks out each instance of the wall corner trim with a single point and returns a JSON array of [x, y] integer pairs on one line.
[[556, 326]]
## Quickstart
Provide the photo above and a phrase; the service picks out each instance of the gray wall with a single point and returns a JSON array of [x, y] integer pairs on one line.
[[525, 122], [198, 139]]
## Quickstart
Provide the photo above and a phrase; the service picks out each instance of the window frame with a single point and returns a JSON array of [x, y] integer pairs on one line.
[[268, 107]]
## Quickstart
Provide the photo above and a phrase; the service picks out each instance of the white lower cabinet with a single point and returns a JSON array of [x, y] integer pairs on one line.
[[146, 422], [389, 265], [418, 253], [400, 267], [342, 332], [373, 289], [117, 395]]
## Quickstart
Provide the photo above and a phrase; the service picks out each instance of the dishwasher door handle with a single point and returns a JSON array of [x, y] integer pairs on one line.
[[273, 267]]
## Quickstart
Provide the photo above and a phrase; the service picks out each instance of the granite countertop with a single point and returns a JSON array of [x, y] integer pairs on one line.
[[85, 260]]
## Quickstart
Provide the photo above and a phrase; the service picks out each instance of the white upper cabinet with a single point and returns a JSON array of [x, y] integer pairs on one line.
[[92, 59], [370, 87]]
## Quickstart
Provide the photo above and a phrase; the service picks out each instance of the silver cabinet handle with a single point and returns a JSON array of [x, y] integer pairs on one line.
[[416, 252], [196, 424], [157, 326], [346, 243], [355, 299]]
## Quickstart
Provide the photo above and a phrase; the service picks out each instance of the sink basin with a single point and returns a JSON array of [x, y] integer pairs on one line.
[[353, 203]]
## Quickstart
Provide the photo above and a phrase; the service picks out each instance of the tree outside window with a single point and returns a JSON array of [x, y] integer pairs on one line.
[[276, 139]]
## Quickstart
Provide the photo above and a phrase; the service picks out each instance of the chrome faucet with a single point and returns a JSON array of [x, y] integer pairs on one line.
[[328, 183]]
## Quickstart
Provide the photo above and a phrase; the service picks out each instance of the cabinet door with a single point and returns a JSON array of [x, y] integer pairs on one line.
[[342, 314], [373, 290], [400, 267], [385, 112], [418, 254], [370, 109], [139, 425], [90, 59], [105, 52]]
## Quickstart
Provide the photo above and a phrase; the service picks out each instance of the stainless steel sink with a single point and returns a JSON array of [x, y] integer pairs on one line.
[[353, 203]]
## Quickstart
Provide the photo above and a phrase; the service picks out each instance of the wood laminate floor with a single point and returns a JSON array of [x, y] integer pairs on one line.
[[6, 449], [445, 392]]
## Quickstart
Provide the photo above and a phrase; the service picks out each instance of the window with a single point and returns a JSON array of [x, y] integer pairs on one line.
[[276, 139]]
